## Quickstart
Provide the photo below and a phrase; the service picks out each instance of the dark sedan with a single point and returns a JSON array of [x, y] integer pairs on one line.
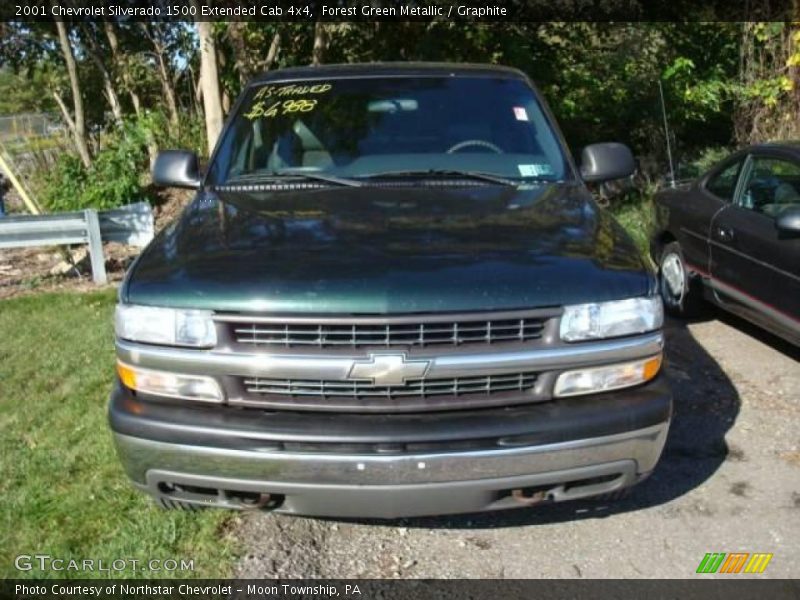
[[733, 237]]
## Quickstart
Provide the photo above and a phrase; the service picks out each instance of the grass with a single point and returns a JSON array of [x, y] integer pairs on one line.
[[63, 491]]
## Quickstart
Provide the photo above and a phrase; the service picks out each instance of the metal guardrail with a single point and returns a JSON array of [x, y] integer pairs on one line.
[[132, 225]]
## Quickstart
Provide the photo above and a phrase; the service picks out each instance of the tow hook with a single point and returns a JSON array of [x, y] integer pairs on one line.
[[534, 498], [253, 503]]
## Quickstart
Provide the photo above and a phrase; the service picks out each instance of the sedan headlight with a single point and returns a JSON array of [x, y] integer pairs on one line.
[[168, 326], [611, 319]]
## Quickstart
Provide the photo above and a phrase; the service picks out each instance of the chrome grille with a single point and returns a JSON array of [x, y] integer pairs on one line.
[[355, 334], [421, 388]]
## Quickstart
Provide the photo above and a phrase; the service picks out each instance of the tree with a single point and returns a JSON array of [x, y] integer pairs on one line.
[[161, 38], [77, 121], [117, 57], [320, 43], [92, 46], [209, 82], [768, 99]]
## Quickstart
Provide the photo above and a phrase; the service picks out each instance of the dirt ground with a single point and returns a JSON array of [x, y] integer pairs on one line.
[[33, 270], [729, 481]]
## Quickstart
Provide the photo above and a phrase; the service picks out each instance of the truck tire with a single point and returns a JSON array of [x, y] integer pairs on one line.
[[680, 293]]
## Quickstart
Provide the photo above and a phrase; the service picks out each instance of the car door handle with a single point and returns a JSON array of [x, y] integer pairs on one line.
[[724, 234]]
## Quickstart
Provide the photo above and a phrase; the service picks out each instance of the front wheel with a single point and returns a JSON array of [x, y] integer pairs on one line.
[[678, 290]]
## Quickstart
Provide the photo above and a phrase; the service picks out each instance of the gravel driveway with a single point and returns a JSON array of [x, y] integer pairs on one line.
[[729, 481]]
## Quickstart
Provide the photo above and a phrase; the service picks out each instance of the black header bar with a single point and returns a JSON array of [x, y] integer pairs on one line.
[[397, 10]]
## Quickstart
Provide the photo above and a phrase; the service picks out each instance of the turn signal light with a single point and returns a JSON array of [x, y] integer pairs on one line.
[[609, 377], [170, 385]]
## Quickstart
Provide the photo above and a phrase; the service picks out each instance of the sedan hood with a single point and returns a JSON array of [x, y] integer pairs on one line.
[[399, 249]]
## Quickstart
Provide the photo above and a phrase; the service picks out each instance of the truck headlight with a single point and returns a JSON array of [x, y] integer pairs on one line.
[[170, 385], [168, 326], [611, 319], [609, 377]]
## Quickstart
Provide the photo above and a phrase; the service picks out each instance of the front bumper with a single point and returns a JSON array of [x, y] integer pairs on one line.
[[389, 466]]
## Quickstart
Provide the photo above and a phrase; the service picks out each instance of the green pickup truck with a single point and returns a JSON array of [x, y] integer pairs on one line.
[[392, 295]]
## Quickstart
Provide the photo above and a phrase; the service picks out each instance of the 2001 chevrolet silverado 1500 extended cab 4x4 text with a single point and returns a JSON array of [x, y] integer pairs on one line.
[[393, 295]]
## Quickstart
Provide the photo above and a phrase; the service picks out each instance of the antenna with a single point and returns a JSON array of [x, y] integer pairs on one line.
[[666, 134]]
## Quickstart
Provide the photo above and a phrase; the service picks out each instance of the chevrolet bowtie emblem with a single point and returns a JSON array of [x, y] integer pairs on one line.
[[388, 369]]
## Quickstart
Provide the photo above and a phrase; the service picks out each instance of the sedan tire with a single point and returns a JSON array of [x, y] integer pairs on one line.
[[680, 292]]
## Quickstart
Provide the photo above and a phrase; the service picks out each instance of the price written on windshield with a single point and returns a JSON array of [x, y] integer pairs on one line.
[[297, 105], [265, 105]]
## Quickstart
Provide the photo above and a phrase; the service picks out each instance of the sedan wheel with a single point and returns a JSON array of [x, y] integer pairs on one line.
[[679, 297], [673, 275]]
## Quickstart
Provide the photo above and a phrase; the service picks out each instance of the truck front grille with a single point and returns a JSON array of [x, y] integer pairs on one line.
[[487, 384], [415, 396], [476, 328]]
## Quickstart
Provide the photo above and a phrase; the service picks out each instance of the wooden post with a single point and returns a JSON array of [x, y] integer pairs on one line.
[[18, 186], [95, 247]]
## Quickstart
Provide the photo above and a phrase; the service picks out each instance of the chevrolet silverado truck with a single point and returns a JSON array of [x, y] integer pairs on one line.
[[393, 295]]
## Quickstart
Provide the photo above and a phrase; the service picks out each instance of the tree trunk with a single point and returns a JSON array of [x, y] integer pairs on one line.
[[163, 76], [272, 54], [78, 120], [209, 82], [113, 42], [95, 53], [241, 53], [226, 98], [169, 93], [320, 43]]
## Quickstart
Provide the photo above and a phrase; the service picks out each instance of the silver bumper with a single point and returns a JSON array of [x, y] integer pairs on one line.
[[391, 486]]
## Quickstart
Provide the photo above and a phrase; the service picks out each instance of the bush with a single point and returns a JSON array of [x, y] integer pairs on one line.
[[704, 160], [119, 173], [114, 179]]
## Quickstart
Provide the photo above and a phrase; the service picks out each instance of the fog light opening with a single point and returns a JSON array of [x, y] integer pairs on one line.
[[254, 500], [531, 496]]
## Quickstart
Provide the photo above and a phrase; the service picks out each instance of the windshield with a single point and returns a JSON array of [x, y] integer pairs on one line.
[[391, 126]]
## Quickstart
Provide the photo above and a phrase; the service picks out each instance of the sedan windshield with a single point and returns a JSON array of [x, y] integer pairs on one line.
[[482, 128]]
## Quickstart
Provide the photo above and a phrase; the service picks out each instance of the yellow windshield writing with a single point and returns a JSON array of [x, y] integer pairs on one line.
[[282, 91], [267, 110], [266, 106]]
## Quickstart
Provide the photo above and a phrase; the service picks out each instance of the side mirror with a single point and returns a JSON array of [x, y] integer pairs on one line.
[[604, 162], [789, 221], [176, 168]]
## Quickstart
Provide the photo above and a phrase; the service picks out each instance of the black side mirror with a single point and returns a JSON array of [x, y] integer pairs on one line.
[[604, 162], [788, 222], [176, 168]]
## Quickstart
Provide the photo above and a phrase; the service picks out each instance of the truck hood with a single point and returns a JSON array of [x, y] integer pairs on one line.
[[391, 249]]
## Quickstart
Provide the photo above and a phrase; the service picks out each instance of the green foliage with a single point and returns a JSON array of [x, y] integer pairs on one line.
[[190, 136], [22, 92], [703, 161], [767, 102], [114, 179]]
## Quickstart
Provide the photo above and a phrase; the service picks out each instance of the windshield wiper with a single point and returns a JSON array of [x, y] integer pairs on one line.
[[445, 172], [309, 175]]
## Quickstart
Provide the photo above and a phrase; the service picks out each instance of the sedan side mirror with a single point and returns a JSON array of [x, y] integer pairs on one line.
[[789, 221], [176, 168], [604, 162]]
